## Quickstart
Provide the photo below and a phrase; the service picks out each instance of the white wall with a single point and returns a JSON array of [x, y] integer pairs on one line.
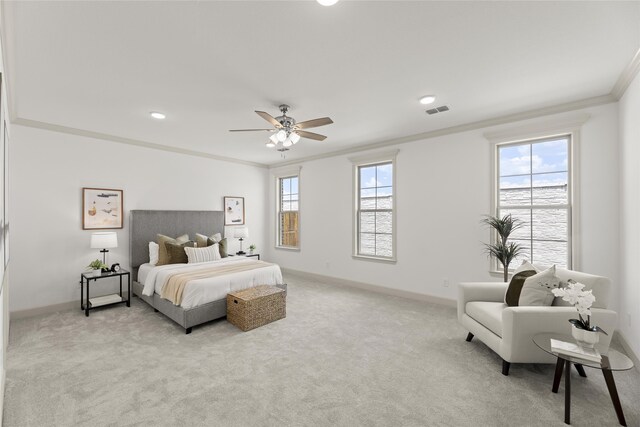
[[629, 296], [443, 189], [50, 249]]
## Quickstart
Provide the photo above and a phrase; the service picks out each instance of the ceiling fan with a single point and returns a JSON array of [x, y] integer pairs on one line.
[[287, 132]]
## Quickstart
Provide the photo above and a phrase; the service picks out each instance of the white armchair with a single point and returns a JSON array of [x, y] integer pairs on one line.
[[509, 331]]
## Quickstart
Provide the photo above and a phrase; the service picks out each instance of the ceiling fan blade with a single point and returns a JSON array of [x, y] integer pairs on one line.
[[311, 135], [314, 123], [250, 130], [268, 117]]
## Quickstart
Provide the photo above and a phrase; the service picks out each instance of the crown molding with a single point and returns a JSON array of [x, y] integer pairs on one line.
[[121, 140], [481, 124], [510, 118], [627, 76]]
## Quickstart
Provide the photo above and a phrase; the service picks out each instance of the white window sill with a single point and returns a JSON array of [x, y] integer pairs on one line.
[[288, 248], [375, 259]]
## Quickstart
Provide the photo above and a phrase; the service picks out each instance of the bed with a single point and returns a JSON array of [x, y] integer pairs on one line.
[[204, 299]]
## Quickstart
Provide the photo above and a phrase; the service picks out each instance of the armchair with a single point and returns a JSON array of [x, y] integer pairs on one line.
[[509, 331]]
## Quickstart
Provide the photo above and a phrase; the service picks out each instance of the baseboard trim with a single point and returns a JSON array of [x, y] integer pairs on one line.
[[628, 349], [373, 288], [47, 309]]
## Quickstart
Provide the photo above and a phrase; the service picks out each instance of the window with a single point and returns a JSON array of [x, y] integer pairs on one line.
[[375, 208], [288, 212], [534, 185]]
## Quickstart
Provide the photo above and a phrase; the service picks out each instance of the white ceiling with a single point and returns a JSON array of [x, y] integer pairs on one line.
[[103, 66]]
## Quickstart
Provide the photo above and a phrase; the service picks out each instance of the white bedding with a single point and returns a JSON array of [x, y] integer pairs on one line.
[[202, 291]]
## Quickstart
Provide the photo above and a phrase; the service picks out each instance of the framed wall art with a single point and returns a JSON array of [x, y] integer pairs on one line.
[[102, 208], [233, 210]]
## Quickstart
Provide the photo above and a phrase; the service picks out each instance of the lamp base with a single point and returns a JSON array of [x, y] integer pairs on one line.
[[241, 253]]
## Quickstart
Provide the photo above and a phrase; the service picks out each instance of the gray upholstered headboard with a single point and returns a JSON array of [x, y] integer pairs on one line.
[[145, 225]]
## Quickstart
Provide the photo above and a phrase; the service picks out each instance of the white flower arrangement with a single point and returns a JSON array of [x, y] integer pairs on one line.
[[582, 300]]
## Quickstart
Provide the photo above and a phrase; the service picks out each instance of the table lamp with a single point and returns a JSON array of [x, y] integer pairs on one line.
[[104, 241], [241, 233]]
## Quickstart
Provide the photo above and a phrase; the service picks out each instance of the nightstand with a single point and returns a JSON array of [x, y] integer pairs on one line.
[[105, 300], [247, 255]]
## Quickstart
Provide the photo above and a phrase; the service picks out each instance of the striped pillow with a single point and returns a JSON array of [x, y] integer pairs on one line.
[[210, 253]]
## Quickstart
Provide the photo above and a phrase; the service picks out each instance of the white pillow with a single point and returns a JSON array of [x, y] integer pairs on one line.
[[536, 290], [526, 265], [154, 253], [209, 253]]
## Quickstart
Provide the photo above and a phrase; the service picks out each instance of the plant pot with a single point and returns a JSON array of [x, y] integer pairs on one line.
[[95, 273], [585, 338]]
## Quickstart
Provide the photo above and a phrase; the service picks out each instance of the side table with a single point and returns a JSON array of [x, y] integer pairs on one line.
[[247, 255], [611, 361], [105, 300]]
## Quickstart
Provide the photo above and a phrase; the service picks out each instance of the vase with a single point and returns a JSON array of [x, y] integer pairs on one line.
[[584, 338], [97, 272]]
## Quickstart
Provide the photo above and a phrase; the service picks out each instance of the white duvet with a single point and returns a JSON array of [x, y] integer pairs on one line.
[[202, 291]]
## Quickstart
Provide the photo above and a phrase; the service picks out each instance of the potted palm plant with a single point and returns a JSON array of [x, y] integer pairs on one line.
[[502, 250], [97, 267]]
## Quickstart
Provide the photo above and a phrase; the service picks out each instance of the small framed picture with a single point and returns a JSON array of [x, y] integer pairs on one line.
[[233, 210], [102, 208]]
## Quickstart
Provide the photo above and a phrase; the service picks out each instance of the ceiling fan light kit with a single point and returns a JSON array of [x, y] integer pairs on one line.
[[287, 132]]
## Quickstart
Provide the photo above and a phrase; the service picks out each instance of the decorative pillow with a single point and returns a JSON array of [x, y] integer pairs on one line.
[[176, 252], [512, 296], [526, 265], [163, 256], [154, 249], [209, 253], [202, 240], [222, 244], [537, 289]]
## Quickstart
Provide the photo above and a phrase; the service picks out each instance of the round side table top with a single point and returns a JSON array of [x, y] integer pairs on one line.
[[612, 360]]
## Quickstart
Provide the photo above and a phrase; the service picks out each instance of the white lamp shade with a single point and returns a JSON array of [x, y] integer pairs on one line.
[[281, 135], [241, 232], [294, 137], [104, 240]]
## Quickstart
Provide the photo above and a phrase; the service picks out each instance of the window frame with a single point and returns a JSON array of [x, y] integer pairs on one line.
[[535, 132], [372, 160], [280, 175]]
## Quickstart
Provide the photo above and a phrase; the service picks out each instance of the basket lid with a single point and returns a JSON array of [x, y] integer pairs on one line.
[[257, 292]]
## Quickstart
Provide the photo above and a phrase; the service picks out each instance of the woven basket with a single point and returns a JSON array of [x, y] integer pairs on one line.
[[255, 307]]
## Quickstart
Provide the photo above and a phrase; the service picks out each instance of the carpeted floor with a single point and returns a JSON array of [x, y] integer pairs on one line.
[[342, 357]]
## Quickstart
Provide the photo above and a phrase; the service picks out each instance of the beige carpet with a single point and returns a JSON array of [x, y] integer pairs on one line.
[[342, 357]]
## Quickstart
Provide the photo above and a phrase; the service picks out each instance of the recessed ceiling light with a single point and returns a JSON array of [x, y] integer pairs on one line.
[[428, 99], [327, 2], [157, 115]]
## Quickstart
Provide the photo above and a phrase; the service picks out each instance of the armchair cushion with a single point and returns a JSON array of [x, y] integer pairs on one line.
[[488, 314]]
